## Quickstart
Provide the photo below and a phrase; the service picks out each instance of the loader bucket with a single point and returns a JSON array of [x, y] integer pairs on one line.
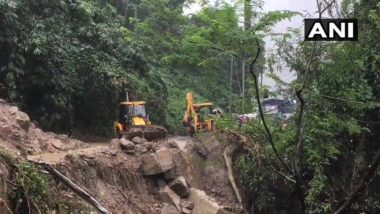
[[150, 132]]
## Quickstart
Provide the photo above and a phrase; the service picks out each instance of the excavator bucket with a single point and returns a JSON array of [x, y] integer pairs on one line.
[[150, 132]]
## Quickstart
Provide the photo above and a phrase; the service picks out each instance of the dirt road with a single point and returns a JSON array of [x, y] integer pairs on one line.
[[92, 149], [56, 157]]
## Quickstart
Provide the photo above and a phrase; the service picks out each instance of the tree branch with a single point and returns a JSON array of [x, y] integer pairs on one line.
[[362, 185], [78, 190], [269, 135]]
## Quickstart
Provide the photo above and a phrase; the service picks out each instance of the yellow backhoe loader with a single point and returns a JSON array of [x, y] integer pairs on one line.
[[134, 121], [197, 117]]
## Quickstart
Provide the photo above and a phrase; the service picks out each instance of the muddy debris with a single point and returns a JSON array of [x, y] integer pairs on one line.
[[136, 175], [23, 137]]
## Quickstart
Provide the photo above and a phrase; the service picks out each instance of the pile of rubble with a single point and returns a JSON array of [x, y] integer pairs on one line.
[[18, 134], [157, 162]]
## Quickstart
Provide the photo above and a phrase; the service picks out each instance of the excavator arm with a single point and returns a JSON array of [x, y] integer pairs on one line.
[[189, 108]]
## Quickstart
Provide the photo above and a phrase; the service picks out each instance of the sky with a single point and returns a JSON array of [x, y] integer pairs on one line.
[[308, 7], [302, 6]]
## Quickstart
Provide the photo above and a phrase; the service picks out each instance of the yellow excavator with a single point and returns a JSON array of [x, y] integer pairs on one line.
[[195, 118], [134, 121]]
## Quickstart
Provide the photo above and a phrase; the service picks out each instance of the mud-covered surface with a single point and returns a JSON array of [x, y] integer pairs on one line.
[[113, 178]]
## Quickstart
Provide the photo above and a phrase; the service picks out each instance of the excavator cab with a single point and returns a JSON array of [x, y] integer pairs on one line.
[[133, 113], [134, 121]]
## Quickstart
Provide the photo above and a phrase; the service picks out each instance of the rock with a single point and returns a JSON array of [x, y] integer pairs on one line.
[[172, 144], [161, 183], [148, 145], [186, 211], [5, 131], [62, 137], [170, 175], [187, 204], [139, 140], [150, 165], [113, 152], [130, 152], [179, 186], [13, 110], [140, 148], [57, 143], [169, 196], [157, 163], [23, 120], [165, 158], [126, 144], [213, 191], [169, 209], [203, 204], [2, 101]]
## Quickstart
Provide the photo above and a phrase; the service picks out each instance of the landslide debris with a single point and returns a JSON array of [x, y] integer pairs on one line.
[[20, 136], [178, 175]]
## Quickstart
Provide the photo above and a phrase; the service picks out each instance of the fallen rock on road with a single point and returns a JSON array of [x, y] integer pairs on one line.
[[156, 163]]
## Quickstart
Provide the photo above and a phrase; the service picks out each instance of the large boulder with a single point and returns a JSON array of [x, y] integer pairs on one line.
[[156, 163], [203, 204], [179, 186], [22, 120], [169, 196]]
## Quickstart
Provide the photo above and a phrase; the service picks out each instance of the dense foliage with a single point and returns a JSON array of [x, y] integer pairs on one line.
[[338, 129], [68, 63]]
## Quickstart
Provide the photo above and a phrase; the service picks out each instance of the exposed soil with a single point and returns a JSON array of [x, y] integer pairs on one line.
[[209, 158]]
